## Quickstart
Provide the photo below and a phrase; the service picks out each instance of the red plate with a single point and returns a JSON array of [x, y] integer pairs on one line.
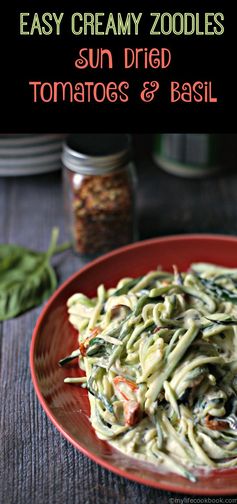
[[67, 405]]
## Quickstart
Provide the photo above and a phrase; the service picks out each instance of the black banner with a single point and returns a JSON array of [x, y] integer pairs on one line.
[[100, 66]]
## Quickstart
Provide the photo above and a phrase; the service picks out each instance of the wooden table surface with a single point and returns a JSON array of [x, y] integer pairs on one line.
[[37, 465]]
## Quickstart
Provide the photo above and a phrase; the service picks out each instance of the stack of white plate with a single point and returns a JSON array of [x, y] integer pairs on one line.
[[30, 154]]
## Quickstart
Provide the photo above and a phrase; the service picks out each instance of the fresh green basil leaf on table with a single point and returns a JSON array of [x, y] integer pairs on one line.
[[27, 278]]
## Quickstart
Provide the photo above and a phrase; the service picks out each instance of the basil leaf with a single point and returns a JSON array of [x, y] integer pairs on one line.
[[218, 291], [26, 277]]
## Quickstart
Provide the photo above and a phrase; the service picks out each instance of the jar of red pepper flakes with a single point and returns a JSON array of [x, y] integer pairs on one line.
[[100, 191]]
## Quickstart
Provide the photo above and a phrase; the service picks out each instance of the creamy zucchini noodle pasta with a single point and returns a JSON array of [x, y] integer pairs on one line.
[[159, 355]]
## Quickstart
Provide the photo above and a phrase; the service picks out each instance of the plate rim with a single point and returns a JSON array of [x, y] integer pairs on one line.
[[121, 472]]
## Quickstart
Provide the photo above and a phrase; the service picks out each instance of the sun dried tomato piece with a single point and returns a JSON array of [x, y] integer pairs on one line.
[[214, 424], [131, 412]]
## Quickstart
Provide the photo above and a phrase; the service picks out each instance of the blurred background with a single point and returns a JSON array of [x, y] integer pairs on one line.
[[180, 201], [185, 184]]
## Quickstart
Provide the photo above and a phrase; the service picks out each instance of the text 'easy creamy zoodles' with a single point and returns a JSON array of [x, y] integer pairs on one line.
[[159, 353]]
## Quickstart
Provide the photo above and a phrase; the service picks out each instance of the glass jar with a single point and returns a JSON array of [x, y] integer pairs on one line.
[[99, 182], [188, 154]]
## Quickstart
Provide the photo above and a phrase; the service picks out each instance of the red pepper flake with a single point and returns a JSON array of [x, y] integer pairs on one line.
[[94, 332], [157, 329], [84, 345], [82, 349], [120, 379]]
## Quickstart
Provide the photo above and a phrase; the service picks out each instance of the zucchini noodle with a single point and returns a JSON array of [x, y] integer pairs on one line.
[[160, 359]]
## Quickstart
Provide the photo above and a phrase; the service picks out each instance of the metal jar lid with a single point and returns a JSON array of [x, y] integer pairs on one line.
[[96, 153]]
